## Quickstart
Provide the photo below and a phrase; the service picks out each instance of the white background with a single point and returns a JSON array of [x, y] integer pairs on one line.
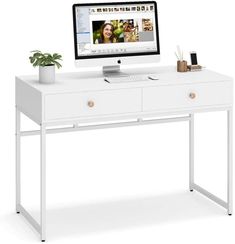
[[125, 185]]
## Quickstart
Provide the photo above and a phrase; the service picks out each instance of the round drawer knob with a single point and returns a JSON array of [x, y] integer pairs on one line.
[[91, 104], [192, 95]]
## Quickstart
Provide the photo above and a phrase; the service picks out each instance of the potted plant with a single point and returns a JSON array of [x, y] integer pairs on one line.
[[46, 63]]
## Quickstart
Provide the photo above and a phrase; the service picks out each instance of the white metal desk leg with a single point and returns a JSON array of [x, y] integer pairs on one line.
[[230, 162], [17, 155], [191, 152], [43, 181]]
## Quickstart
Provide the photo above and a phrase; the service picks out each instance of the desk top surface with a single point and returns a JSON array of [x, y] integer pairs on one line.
[[94, 80]]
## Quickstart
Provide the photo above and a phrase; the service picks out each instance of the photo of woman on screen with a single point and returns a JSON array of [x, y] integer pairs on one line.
[[106, 34]]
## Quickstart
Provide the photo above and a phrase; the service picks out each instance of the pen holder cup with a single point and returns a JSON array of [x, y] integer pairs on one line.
[[182, 66]]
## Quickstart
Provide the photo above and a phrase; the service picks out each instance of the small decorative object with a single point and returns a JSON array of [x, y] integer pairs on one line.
[[46, 63], [193, 56], [181, 63], [194, 67], [182, 66]]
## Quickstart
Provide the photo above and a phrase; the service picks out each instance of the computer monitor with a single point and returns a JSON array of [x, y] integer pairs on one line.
[[111, 34]]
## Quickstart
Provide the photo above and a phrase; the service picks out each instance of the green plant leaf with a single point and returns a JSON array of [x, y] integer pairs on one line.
[[58, 65], [42, 59], [35, 51]]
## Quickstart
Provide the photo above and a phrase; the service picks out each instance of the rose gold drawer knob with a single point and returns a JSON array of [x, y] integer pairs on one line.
[[91, 104], [192, 95]]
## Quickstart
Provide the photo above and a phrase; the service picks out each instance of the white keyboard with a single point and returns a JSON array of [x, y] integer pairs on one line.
[[131, 78]]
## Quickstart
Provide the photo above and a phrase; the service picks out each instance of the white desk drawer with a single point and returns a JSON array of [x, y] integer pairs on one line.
[[71, 105], [185, 96]]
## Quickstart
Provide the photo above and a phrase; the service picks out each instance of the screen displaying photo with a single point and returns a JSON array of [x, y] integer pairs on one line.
[[124, 30], [111, 29]]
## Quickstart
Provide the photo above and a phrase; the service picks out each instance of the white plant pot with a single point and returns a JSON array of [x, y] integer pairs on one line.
[[47, 74]]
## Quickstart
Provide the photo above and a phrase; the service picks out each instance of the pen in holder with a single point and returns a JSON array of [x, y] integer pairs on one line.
[[181, 63], [182, 66]]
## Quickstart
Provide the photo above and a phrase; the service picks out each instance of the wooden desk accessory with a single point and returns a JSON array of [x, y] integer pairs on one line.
[[181, 63], [194, 67], [182, 66]]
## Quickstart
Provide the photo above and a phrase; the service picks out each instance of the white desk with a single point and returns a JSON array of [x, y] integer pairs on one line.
[[80, 98]]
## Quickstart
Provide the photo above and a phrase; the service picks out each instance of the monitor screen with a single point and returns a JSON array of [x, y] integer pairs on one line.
[[115, 29]]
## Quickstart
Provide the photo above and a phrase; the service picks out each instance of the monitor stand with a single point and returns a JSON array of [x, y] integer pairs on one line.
[[113, 71]]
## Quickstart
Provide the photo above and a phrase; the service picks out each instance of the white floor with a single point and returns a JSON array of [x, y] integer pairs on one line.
[[179, 217]]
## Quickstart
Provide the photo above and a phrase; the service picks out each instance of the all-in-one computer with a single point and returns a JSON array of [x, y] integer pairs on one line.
[[111, 34]]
